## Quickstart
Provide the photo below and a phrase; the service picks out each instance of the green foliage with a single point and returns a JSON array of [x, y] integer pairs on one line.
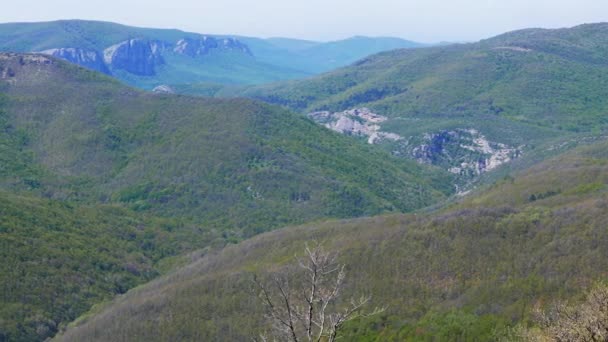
[[235, 164], [59, 259], [505, 77], [452, 325], [465, 273], [521, 89], [228, 169]]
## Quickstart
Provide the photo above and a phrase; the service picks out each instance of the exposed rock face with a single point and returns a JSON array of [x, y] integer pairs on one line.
[[163, 89], [464, 152], [206, 44], [87, 58], [137, 56], [357, 122]]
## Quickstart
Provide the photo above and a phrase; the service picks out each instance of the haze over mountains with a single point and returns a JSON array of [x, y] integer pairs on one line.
[[462, 185], [151, 57]]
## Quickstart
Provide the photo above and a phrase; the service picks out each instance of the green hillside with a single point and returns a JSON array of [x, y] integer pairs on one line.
[[229, 163], [465, 273], [142, 216], [512, 96], [537, 77], [101, 183], [59, 259]]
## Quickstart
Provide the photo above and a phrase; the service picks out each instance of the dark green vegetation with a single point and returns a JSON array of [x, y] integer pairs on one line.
[[229, 163], [465, 273], [102, 182], [58, 259], [269, 60]]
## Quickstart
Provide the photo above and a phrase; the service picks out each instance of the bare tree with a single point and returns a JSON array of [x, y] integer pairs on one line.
[[303, 311], [586, 322]]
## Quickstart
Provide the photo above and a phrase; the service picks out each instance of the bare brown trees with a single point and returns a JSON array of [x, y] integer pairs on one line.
[[586, 322], [305, 309]]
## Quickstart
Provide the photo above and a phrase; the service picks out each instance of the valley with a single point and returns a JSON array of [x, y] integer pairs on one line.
[[149, 176]]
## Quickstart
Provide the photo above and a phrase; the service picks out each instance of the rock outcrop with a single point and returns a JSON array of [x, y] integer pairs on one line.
[[163, 89], [357, 122], [87, 58], [142, 56], [465, 152], [206, 44], [136, 56]]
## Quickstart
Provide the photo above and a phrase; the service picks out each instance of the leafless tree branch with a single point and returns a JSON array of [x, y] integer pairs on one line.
[[303, 313]]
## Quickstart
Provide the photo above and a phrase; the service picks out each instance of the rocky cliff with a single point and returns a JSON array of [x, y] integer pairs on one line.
[[206, 44], [357, 122], [87, 58], [136, 56], [464, 152], [141, 56]]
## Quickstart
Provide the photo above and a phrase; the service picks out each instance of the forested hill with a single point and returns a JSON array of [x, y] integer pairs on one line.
[[550, 78], [100, 183], [465, 107], [79, 135], [468, 272]]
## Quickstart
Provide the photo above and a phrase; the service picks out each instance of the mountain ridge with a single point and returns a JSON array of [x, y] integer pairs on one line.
[[244, 60], [523, 90]]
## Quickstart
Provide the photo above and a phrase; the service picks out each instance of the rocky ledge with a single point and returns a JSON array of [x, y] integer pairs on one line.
[[464, 152], [136, 56], [357, 122], [206, 44], [87, 58]]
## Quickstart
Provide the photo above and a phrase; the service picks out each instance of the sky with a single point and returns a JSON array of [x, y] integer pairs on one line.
[[420, 20]]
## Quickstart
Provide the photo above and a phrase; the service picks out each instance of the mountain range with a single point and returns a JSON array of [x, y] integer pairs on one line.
[[148, 58], [463, 186]]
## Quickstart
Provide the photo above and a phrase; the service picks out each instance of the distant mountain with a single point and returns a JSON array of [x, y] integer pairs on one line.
[[315, 57], [470, 272], [151, 57]]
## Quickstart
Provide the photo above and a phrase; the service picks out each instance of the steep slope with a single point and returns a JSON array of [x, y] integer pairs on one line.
[[59, 259], [147, 57], [229, 163], [464, 273], [516, 91], [101, 183], [535, 76]]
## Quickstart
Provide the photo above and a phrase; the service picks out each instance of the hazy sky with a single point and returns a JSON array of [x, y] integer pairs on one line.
[[421, 20]]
